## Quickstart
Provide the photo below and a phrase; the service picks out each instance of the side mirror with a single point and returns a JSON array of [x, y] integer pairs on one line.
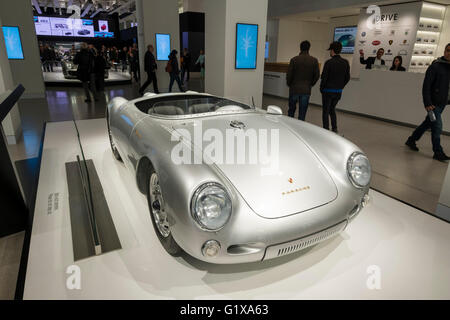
[[274, 110]]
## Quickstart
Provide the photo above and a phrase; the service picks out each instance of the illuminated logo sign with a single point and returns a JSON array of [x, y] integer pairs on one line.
[[376, 42], [391, 42], [363, 34], [387, 17]]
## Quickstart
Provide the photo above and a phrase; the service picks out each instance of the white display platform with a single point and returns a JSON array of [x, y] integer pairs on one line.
[[58, 77], [410, 248]]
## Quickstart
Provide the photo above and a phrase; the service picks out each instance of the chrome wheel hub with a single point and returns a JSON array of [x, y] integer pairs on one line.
[[157, 206]]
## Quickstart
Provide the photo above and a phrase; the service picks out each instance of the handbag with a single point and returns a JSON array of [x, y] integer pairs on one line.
[[169, 67]]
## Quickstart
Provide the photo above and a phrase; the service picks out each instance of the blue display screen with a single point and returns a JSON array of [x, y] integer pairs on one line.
[[162, 46], [246, 45], [266, 50], [13, 43], [346, 36]]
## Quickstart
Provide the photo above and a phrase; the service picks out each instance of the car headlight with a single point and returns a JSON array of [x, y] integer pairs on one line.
[[211, 206], [359, 170]]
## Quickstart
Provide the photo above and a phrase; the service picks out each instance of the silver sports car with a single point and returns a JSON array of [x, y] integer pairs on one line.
[[230, 183]]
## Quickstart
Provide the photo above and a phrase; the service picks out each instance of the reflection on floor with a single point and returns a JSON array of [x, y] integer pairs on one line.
[[406, 248], [413, 177]]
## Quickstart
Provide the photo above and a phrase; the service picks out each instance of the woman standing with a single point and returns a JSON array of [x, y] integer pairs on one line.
[[397, 64], [174, 71]]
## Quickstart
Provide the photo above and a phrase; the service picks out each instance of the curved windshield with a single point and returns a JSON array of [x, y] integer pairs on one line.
[[189, 105]]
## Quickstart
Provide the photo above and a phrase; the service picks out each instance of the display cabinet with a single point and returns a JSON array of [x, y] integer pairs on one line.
[[428, 36]]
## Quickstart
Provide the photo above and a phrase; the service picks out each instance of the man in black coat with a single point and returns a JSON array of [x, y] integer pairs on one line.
[[302, 75], [335, 76], [85, 61], [150, 67], [371, 61], [436, 95]]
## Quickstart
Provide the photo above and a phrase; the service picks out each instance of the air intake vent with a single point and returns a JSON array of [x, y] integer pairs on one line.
[[300, 244]]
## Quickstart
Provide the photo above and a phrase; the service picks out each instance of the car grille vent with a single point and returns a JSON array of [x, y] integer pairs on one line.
[[305, 242]]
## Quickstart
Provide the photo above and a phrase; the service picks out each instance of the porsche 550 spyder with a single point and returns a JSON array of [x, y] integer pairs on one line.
[[225, 211]]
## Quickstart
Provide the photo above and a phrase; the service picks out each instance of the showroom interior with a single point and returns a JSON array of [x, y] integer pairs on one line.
[[79, 197]]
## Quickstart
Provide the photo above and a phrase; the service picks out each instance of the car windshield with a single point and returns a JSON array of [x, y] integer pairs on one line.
[[189, 105]]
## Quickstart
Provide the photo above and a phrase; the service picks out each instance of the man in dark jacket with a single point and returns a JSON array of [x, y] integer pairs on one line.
[[99, 68], [436, 95], [150, 67], [302, 75], [335, 76], [85, 61], [371, 61]]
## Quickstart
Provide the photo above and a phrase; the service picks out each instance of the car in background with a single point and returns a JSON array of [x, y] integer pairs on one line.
[[69, 69]]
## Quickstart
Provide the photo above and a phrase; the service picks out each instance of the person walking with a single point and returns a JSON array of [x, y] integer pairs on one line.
[[47, 58], [302, 75], [123, 58], [335, 76], [135, 51], [85, 61], [372, 61], [100, 67], [436, 95], [150, 67], [133, 64], [185, 65], [201, 61], [174, 71]]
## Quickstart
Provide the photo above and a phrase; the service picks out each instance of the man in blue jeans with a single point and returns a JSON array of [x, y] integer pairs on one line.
[[436, 95], [302, 75]]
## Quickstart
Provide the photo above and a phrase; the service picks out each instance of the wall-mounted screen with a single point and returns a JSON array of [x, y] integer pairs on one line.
[[13, 43], [266, 50], [246, 45], [346, 36], [162, 46], [68, 27]]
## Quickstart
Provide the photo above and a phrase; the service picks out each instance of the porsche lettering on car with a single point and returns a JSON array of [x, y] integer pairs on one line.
[[222, 212]]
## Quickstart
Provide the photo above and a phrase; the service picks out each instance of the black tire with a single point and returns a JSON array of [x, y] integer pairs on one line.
[[111, 141], [168, 242]]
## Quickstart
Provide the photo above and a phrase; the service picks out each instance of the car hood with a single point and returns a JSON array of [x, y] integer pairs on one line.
[[290, 180]]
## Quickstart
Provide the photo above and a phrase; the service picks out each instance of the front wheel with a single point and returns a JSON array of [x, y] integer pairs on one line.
[[159, 216]]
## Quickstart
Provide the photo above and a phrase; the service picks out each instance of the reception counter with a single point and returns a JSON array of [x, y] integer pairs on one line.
[[394, 96]]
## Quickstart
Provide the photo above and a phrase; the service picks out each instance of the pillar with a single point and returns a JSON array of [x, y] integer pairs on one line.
[[221, 77], [157, 16], [11, 124]]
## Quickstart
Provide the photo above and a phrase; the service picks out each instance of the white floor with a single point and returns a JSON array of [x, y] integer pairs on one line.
[[410, 248]]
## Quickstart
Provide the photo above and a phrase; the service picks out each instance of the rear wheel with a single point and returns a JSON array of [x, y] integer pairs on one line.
[[159, 216], [111, 140]]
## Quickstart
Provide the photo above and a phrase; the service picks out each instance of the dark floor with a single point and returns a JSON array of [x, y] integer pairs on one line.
[[411, 177]]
